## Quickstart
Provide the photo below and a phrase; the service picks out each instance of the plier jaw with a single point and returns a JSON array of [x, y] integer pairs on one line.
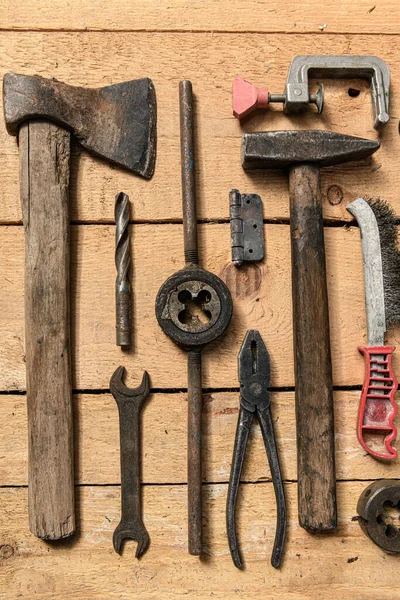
[[254, 373]]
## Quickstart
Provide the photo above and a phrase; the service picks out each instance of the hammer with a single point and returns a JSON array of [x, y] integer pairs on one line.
[[304, 152], [117, 122]]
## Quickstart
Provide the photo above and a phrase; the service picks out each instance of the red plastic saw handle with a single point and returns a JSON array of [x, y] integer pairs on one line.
[[378, 407]]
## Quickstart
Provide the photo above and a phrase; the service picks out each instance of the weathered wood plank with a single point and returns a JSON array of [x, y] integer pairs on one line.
[[345, 564], [164, 440], [261, 296], [211, 62], [338, 565], [364, 16]]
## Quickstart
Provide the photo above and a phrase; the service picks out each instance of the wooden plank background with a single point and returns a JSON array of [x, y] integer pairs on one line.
[[100, 42]]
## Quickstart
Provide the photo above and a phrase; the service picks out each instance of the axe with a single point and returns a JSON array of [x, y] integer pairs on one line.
[[117, 122]]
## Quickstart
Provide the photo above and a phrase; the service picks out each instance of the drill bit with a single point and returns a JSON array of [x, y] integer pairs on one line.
[[123, 298]]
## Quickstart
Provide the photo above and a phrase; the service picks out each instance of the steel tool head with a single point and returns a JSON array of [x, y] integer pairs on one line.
[[253, 357], [120, 390], [117, 122], [278, 149], [373, 272], [135, 531], [386, 245], [254, 372]]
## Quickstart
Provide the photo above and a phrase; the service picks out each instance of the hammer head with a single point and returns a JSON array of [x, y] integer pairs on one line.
[[279, 149], [117, 122]]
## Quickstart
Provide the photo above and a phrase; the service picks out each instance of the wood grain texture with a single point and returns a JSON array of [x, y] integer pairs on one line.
[[313, 566], [381, 16], [312, 353], [210, 43], [261, 299], [211, 62], [164, 436], [44, 159]]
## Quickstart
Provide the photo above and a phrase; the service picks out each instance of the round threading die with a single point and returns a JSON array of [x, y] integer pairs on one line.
[[189, 295], [188, 289], [372, 506]]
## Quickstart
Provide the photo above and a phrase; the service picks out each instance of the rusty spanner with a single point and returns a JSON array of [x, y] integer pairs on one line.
[[130, 402]]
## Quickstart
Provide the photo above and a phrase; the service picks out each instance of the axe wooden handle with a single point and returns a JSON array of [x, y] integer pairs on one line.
[[313, 367], [44, 176]]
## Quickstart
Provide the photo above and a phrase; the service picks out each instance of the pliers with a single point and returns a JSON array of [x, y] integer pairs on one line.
[[254, 377]]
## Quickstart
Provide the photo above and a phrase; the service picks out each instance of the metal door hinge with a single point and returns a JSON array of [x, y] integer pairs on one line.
[[247, 232]]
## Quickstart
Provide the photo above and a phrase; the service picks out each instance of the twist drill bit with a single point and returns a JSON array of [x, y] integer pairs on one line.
[[123, 300]]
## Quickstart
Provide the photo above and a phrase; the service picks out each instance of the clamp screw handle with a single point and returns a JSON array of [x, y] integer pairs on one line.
[[246, 98]]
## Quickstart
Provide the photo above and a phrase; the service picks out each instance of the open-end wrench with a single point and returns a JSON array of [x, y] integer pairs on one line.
[[130, 402]]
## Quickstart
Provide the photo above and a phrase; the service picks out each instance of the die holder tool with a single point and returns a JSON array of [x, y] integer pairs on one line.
[[192, 287]]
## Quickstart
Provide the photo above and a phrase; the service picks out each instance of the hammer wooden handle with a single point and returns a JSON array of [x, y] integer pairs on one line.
[[44, 175], [313, 367]]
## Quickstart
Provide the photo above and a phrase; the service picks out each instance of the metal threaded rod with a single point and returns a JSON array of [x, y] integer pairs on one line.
[[277, 98], [187, 171], [194, 464], [317, 99], [195, 396], [123, 298]]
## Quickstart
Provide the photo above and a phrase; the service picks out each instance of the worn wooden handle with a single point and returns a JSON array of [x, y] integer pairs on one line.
[[44, 174], [313, 367]]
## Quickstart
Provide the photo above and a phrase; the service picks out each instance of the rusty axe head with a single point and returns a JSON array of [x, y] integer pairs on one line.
[[279, 149], [117, 122]]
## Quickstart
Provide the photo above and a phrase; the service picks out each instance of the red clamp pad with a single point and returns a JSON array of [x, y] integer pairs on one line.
[[378, 407], [246, 98]]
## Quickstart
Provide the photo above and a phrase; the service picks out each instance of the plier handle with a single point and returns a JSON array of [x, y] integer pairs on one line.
[[254, 376]]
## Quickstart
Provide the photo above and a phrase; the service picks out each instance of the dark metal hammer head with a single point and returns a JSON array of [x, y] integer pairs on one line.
[[279, 149], [117, 122]]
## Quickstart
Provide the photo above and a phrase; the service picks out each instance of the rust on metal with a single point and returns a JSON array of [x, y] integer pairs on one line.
[[117, 122], [193, 307], [130, 402], [280, 149], [123, 292], [374, 506]]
